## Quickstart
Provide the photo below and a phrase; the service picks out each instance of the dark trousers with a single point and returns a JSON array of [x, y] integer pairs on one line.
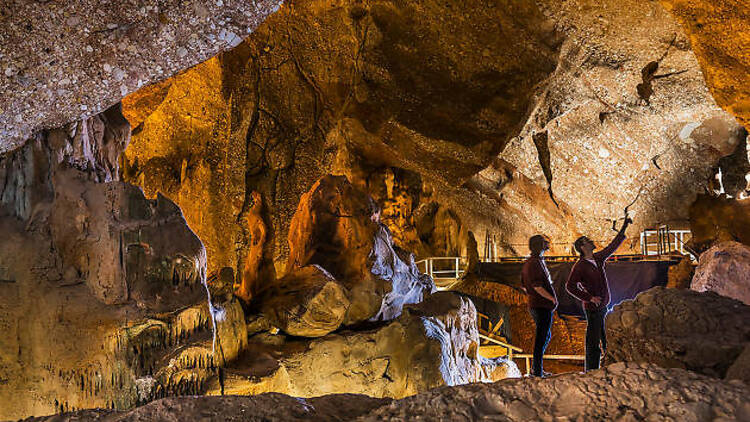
[[543, 320], [595, 334]]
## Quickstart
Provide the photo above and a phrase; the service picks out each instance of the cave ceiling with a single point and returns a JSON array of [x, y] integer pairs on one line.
[[584, 114], [65, 61]]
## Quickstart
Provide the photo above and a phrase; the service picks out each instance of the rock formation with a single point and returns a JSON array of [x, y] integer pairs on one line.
[[269, 407], [63, 62], [432, 343], [608, 394], [276, 113], [619, 107], [308, 302], [618, 392], [719, 32], [104, 302], [336, 228], [724, 269], [678, 328]]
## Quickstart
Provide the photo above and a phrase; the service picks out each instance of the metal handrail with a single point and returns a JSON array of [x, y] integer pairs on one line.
[[455, 272]]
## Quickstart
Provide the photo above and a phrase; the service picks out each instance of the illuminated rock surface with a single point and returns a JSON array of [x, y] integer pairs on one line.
[[62, 62], [618, 392], [616, 107], [102, 297], [434, 89], [719, 219], [433, 343], [719, 32], [702, 332], [724, 269], [336, 227]]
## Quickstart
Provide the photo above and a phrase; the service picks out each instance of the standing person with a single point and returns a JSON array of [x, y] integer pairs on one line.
[[588, 283], [542, 299]]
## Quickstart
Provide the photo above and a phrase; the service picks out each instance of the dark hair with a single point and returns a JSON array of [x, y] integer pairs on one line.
[[536, 243], [579, 243]]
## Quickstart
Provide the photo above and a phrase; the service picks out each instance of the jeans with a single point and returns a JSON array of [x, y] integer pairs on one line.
[[595, 334], [543, 321]]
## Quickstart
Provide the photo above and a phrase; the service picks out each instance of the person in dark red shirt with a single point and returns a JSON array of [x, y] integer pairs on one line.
[[542, 300], [588, 283]]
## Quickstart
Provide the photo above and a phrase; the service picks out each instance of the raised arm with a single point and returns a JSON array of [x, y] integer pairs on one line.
[[605, 253], [572, 285]]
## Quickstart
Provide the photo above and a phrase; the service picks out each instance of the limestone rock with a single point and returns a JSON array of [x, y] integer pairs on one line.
[[432, 343], [104, 296], [308, 302], [64, 62], [271, 115], [719, 32], [703, 332], [593, 125], [336, 227], [619, 392], [724, 269]]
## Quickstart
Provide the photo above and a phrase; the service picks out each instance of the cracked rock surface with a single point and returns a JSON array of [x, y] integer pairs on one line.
[[679, 328], [619, 392], [66, 61]]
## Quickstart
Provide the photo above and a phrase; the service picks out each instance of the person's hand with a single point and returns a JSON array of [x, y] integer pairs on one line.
[[596, 300]]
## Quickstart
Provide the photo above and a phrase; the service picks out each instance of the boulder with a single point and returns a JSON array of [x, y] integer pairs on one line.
[[431, 344], [620, 392], [308, 302], [703, 332], [724, 269]]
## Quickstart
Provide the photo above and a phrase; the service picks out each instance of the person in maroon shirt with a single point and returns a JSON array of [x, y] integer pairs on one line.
[[588, 283], [542, 300]]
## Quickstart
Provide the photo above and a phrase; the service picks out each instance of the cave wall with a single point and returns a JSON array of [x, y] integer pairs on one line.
[[346, 88]]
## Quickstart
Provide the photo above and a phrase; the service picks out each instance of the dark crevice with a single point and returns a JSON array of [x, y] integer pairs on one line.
[[541, 141]]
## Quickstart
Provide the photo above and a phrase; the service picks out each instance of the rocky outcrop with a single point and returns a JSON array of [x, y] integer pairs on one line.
[[308, 302], [724, 269], [618, 392], [719, 32], [702, 332], [336, 227], [740, 369], [601, 103], [680, 276], [432, 343], [269, 407], [104, 296], [67, 62]]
